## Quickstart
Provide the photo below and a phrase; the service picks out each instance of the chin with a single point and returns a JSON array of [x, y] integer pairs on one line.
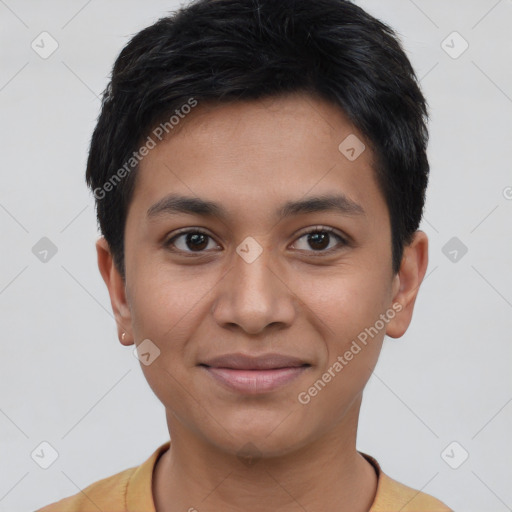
[[265, 435]]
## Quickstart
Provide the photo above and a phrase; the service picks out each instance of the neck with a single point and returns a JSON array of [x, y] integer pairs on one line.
[[326, 474]]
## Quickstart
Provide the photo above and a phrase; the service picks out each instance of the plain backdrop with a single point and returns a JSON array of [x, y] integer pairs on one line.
[[440, 394]]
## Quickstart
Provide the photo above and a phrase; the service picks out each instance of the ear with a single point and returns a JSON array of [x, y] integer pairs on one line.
[[117, 291], [407, 283]]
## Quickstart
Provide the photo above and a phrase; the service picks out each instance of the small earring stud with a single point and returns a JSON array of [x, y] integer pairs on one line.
[[123, 336]]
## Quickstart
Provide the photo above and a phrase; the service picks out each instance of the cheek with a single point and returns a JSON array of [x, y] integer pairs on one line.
[[347, 305], [166, 307], [345, 302], [164, 301], [348, 308], [163, 309]]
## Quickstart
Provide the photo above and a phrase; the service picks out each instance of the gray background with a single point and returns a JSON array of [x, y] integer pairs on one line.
[[67, 380]]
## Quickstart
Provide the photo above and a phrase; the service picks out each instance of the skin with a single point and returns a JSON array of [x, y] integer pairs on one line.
[[251, 158]]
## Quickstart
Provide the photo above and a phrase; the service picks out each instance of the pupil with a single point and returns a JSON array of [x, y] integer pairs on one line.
[[195, 240], [318, 238]]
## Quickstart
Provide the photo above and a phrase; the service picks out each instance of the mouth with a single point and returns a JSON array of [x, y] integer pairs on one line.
[[254, 375]]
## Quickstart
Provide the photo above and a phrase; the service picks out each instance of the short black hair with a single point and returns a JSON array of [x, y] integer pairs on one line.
[[236, 50]]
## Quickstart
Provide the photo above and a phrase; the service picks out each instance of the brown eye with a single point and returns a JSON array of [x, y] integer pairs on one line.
[[190, 241], [321, 240], [196, 241], [318, 241]]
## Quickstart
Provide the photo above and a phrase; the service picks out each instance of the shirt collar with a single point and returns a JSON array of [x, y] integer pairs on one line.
[[139, 490]]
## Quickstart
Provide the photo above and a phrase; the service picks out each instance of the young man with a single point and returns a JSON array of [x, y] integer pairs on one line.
[[259, 169]]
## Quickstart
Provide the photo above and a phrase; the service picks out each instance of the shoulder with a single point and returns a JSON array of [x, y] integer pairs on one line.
[[127, 490], [393, 496], [106, 494]]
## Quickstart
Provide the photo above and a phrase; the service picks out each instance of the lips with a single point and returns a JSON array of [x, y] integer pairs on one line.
[[262, 362], [254, 374]]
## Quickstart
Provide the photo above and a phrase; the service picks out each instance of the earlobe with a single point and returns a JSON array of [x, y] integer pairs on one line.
[[407, 283], [116, 289]]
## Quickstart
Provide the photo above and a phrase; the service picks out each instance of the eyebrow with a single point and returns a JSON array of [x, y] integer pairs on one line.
[[174, 204]]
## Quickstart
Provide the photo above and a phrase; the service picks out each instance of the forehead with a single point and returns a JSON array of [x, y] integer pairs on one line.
[[262, 151]]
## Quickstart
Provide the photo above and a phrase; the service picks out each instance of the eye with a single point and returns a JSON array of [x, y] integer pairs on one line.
[[190, 241], [319, 239]]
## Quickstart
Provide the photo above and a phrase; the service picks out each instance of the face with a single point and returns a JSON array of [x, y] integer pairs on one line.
[[250, 233]]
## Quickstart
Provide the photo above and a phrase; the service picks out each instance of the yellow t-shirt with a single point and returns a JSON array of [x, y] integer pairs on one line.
[[131, 491]]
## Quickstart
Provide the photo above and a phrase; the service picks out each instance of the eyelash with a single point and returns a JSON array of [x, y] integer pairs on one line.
[[316, 229]]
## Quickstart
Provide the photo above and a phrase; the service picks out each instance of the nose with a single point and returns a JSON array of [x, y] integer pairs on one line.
[[254, 296]]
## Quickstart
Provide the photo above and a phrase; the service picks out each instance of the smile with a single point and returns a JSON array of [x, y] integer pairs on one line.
[[254, 381]]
